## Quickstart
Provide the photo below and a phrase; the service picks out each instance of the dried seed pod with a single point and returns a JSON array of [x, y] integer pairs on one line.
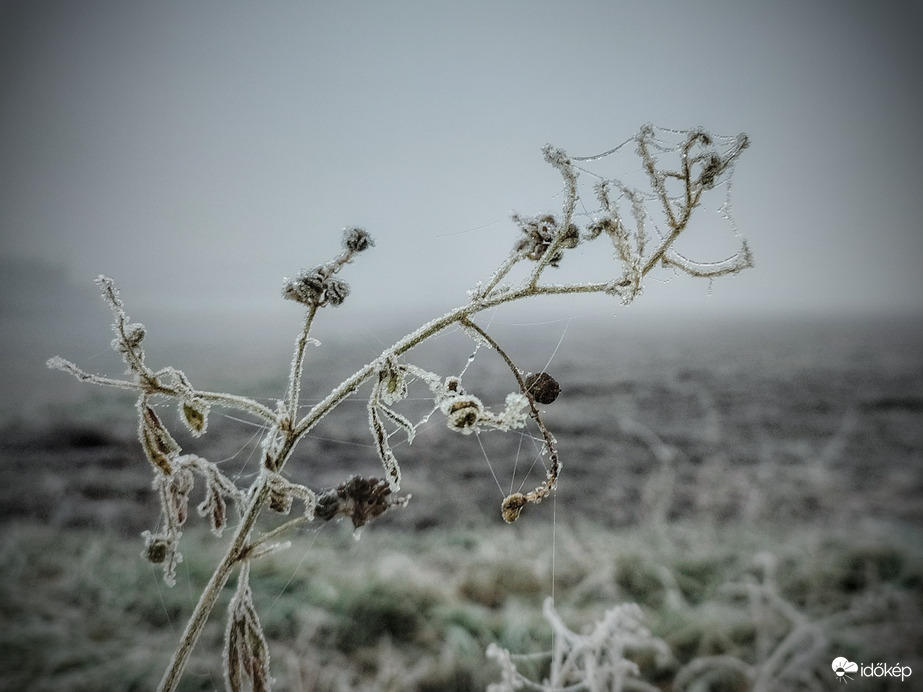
[[453, 384], [540, 232], [178, 487], [246, 654], [359, 498], [336, 291], [512, 506], [156, 549], [159, 446], [306, 288], [328, 503], [195, 415], [357, 240], [543, 387], [134, 334], [462, 412]]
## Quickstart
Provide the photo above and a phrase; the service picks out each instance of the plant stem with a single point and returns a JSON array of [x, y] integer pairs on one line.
[[294, 380], [213, 589]]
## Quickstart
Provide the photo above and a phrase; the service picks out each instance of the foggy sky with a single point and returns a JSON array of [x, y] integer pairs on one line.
[[200, 152]]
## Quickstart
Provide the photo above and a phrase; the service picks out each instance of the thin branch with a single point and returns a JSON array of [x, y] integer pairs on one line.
[[511, 510], [294, 380]]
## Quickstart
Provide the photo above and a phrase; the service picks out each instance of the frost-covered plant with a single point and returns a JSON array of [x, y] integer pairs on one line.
[[594, 661], [642, 224], [789, 645]]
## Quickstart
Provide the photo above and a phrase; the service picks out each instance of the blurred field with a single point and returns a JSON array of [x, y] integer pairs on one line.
[[704, 469]]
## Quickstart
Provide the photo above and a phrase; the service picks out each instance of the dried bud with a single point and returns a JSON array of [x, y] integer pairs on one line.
[[540, 232], [159, 446], [462, 412], [214, 507], [336, 291], [306, 288], [160, 548], [246, 654], [328, 503], [392, 385], [453, 384], [543, 387], [361, 499], [178, 487], [283, 493], [711, 169], [702, 137], [156, 548], [316, 287], [512, 506], [134, 334], [357, 240], [195, 414]]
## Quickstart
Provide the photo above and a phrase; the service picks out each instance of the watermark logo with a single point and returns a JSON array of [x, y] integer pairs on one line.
[[842, 667]]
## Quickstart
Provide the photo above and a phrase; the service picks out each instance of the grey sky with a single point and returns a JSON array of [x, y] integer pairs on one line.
[[201, 151]]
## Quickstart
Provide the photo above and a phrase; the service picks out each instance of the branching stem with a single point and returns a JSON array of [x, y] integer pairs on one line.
[[321, 286], [216, 583]]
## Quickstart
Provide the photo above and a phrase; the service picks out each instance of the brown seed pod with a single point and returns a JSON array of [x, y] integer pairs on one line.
[[156, 549], [195, 414], [543, 387], [463, 412], [159, 446], [512, 506]]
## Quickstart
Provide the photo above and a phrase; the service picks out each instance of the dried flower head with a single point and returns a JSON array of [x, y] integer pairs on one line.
[[317, 287], [361, 499], [336, 291], [306, 288], [540, 232], [357, 240]]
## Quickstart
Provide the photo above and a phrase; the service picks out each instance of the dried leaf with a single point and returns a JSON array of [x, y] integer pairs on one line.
[[388, 460], [159, 446], [246, 653], [400, 420]]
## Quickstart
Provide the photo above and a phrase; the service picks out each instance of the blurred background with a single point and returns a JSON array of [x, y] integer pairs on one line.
[[200, 152]]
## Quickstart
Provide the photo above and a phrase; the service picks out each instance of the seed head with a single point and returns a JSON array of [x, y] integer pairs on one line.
[[336, 291], [543, 387], [361, 499], [512, 506], [462, 412], [357, 240], [540, 232], [156, 550]]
